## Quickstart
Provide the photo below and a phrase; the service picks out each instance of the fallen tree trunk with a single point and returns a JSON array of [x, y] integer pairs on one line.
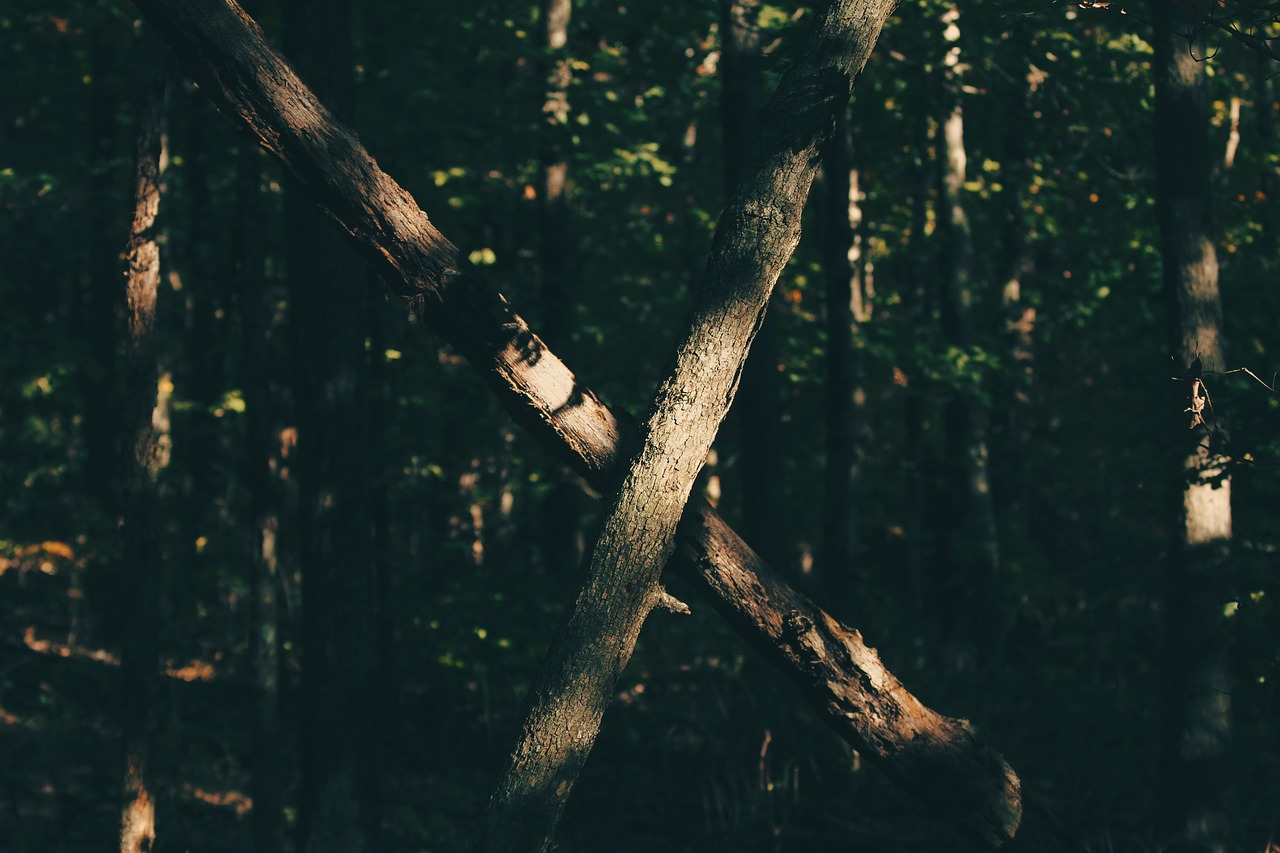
[[940, 760]]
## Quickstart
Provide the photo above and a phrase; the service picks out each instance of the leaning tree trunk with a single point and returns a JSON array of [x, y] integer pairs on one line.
[[1198, 737], [264, 523], [939, 759], [327, 318], [140, 505]]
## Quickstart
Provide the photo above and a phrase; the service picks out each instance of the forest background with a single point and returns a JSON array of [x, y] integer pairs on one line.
[[579, 154]]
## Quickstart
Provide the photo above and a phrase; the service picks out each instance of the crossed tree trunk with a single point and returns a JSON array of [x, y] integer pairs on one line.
[[941, 760]]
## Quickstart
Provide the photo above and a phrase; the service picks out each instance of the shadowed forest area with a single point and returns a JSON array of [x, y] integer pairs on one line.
[[312, 541]]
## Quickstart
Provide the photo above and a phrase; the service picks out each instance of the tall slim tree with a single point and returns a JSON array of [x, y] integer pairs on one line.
[[1198, 732], [327, 317], [140, 505], [941, 760], [562, 538], [845, 308], [264, 522]]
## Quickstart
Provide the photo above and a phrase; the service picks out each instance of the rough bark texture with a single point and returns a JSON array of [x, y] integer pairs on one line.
[[140, 652], [1198, 737], [327, 318], [226, 52]]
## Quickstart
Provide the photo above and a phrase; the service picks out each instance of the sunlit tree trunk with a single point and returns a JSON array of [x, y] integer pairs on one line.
[[758, 416], [1017, 414], [1198, 705], [140, 515], [976, 549], [327, 316]]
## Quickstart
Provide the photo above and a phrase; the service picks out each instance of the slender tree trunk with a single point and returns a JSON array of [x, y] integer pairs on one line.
[[757, 234], [966, 416], [561, 508], [758, 418], [1198, 705], [845, 310], [941, 760], [264, 525], [338, 588], [140, 653]]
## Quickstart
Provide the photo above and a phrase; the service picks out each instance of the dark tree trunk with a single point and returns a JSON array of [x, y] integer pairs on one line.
[[758, 416], [941, 760], [140, 516], [1198, 705], [264, 524], [845, 311], [1018, 265], [562, 543], [327, 317], [975, 545], [757, 233]]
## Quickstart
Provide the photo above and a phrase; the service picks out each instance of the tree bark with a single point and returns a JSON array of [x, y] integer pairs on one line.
[[758, 416], [139, 527], [561, 506], [327, 318], [1198, 725], [950, 768], [757, 234], [966, 415]]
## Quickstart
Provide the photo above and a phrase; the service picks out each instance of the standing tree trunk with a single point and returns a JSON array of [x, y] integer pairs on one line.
[[561, 505], [758, 231], [264, 524], [978, 550], [328, 321], [140, 524], [758, 417], [1198, 704], [845, 311]]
